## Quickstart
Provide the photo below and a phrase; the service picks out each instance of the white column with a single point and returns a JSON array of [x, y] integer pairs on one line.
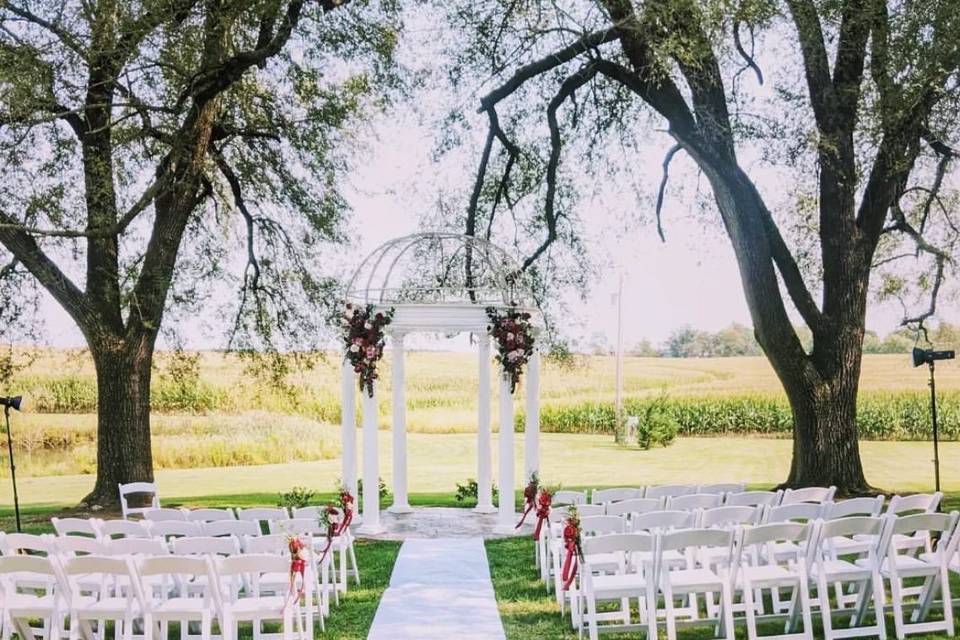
[[506, 519], [531, 425], [348, 426], [484, 464], [371, 466], [400, 503]]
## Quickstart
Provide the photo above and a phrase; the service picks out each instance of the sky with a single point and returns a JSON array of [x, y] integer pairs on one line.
[[690, 280]]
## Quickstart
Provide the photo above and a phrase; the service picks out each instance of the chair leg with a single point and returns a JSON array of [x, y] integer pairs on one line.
[[353, 562], [805, 608], [651, 611], [896, 595], [670, 612], [205, 624], [823, 595], [749, 606], [878, 600], [591, 617]]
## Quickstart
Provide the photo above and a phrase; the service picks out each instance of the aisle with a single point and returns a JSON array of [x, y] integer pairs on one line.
[[440, 588]]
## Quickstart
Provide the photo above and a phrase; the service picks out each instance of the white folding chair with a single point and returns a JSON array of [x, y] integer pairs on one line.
[[728, 517], [603, 496], [756, 569], [341, 546], [549, 543], [252, 604], [628, 581], [211, 515], [136, 547], [311, 511], [31, 589], [854, 579], [753, 499], [174, 528], [634, 507], [590, 527], [818, 495], [693, 501], [794, 512], [205, 545], [569, 497], [723, 488], [138, 488], [104, 589], [71, 546], [165, 514], [168, 603], [930, 567], [702, 573], [906, 505], [854, 507], [123, 529], [27, 544], [88, 527], [659, 521], [237, 528], [588, 510], [669, 490]]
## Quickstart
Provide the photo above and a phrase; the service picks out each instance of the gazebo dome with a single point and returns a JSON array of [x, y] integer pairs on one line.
[[439, 268]]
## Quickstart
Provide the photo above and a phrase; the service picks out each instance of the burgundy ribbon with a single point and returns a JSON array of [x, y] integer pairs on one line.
[[571, 541]]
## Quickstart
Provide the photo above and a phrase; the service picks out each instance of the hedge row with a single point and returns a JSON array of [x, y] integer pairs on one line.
[[880, 415]]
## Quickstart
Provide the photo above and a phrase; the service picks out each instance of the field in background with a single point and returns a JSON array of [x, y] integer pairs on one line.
[[222, 415]]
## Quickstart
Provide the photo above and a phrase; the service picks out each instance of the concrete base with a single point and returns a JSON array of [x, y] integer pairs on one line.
[[484, 508], [506, 529], [371, 530], [400, 508]]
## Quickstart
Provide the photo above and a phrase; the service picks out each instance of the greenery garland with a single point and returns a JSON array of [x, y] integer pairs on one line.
[[513, 333], [363, 337]]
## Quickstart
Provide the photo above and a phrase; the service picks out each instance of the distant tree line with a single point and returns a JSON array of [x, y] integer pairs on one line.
[[738, 340]]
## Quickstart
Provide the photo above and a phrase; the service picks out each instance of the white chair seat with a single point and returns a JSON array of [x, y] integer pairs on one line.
[[612, 586], [907, 566], [841, 570], [91, 608], [843, 546], [693, 579], [28, 604], [181, 605], [604, 561], [768, 573]]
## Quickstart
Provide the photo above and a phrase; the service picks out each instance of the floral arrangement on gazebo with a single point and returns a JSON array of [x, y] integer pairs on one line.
[[363, 336], [512, 332]]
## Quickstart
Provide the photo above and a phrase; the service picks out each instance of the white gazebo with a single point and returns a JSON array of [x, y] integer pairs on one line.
[[440, 283]]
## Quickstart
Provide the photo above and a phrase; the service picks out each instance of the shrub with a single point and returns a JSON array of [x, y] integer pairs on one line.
[[296, 498], [382, 491], [657, 426], [469, 492]]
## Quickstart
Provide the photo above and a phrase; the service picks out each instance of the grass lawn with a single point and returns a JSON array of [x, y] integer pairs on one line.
[[438, 461]]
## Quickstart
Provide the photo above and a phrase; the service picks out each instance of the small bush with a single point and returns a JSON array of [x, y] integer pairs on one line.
[[469, 492], [382, 491], [656, 425], [296, 498]]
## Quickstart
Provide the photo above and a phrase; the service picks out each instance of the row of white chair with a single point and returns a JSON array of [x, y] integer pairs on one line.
[[724, 491], [854, 555], [70, 595]]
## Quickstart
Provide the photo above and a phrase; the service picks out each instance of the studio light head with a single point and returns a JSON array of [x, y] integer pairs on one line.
[[927, 356], [11, 401]]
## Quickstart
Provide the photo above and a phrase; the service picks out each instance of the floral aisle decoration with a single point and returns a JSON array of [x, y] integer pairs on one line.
[[363, 337], [299, 555], [513, 333], [529, 497], [330, 519], [544, 502], [345, 501], [572, 545]]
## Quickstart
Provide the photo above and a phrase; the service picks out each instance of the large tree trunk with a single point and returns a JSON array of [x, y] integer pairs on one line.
[[123, 416]]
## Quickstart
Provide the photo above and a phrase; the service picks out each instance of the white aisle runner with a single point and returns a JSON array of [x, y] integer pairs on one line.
[[440, 588]]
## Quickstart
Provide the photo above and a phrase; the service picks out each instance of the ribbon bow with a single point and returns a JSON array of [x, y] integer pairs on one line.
[[571, 542]]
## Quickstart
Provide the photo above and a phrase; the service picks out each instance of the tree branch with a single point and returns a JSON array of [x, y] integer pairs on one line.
[[61, 34], [663, 187]]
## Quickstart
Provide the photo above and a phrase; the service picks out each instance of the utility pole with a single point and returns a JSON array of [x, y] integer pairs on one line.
[[618, 435]]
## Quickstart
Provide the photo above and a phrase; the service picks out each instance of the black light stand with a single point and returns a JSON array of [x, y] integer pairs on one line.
[[7, 403], [929, 357]]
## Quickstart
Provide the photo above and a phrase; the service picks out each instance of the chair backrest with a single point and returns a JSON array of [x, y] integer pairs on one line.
[[274, 543], [77, 546], [602, 525], [100, 574], [693, 540], [253, 565], [758, 544], [669, 490], [211, 515], [602, 496], [138, 488], [310, 511], [930, 522], [136, 547], [173, 570], [29, 571], [591, 509], [558, 513], [634, 506], [297, 526], [165, 514], [173, 528], [799, 511], [96, 565], [88, 527], [853, 507], [625, 543], [919, 502], [123, 529], [869, 528], [694, 501], [231, 528], [729, 517], [722, 487], [570, 497], [754, 499], [28, 543], [657, 521], [263, 514], [205, 545], [818, 495]]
